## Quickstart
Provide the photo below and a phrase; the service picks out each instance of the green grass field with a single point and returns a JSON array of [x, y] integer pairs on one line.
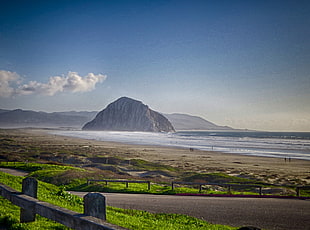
[[132, 219]]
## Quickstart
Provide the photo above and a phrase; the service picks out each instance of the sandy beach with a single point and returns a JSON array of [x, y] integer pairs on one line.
[[271, 170]]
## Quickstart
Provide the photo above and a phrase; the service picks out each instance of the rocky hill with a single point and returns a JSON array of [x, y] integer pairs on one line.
[[126, 114]]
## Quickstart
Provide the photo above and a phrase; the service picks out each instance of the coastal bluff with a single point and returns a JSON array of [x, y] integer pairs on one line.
[[126, 114]]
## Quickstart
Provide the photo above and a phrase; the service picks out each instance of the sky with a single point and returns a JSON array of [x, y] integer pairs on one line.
[[243, 64]]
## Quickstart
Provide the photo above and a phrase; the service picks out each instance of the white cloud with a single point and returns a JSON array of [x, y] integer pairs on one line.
[[75, 83], [7, 79], [72, 82]]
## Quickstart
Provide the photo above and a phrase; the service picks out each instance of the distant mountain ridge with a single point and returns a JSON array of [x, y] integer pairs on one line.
[[27, 118], [188, 122], [127, 114]]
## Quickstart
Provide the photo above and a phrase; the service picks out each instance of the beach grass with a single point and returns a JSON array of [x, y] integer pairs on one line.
[[75, 179], [63, 176]]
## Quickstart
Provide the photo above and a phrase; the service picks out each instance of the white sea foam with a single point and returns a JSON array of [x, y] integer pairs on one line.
[[298, 148]]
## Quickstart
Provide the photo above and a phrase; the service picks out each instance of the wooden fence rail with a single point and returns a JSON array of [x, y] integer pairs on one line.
[[216, 184], [123, 181], [173, 183], [93, 217]]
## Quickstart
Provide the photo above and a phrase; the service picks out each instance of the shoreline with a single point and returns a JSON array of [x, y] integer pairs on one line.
[[247, 146], [269, 169]]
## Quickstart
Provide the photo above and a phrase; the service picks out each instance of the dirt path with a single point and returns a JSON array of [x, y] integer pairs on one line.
[[14, 172]]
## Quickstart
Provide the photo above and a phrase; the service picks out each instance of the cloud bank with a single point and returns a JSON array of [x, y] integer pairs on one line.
[[10, 84]]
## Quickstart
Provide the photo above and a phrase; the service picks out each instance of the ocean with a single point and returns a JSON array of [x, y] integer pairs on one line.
[[269, 144]]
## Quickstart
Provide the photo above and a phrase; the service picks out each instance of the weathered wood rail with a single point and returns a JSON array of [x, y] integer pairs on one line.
[[123, 181], [229, 186], [93, 217], [173, 183]]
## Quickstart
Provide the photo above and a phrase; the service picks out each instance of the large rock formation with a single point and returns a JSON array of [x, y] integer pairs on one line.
[[126, 114]]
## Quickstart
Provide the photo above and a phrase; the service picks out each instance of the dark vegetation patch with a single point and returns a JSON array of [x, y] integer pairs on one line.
[[105, 160], [147, 165]]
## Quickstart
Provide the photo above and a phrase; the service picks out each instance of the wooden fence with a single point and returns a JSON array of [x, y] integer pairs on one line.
[[200, 185], [93, 218], [123, 181], [229, 186]]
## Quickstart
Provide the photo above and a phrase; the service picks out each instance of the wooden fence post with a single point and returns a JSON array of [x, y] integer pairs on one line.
[[297, 191], [95, 205], [30, 188], [229, 189]]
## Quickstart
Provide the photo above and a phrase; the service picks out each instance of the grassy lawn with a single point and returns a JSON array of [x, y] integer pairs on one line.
[[132, 219]]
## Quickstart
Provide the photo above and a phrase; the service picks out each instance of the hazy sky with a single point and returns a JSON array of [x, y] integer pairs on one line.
[[244, 64]]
